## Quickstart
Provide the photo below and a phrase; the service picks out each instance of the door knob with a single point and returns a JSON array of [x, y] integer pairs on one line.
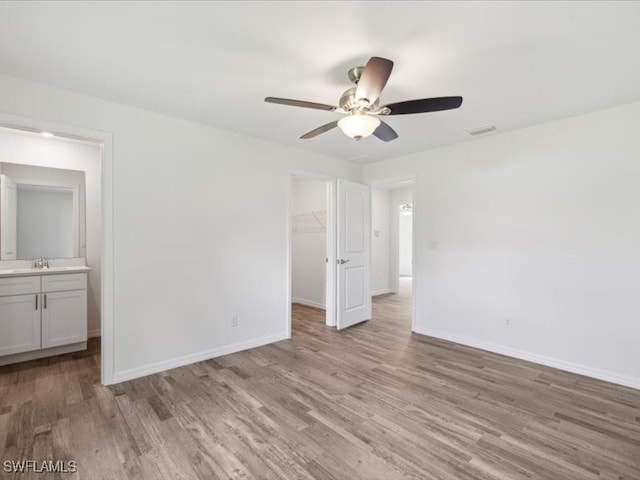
[[342, 262]]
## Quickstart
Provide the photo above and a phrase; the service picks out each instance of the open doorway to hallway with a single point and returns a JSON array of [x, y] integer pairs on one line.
[[405, 241], [392, 249]]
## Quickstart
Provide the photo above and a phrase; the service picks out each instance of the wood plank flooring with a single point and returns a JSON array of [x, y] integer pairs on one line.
[[372, 402]]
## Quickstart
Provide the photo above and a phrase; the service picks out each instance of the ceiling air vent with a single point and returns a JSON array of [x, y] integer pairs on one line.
[[482, 130]]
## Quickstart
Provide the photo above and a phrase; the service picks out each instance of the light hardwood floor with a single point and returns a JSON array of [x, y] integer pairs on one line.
[[371, 402]]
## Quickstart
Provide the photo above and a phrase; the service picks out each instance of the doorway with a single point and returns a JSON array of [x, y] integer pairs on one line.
[[330, 249], [405, 242], [309, 204], [312, 282], [96, 221], [393, 262], [405, 252]]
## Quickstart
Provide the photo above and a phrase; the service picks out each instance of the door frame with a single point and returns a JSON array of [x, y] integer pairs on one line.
[[331, 270], [105, 139]]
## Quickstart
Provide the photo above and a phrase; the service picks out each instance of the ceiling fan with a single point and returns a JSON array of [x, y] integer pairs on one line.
[[361, 106]]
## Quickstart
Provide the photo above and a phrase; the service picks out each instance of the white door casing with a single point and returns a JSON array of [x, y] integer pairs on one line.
[[331, 301], [8, 212], [353, 253]]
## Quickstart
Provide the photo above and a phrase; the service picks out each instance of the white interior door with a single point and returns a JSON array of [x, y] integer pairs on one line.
[[8, 211], [353, 253]]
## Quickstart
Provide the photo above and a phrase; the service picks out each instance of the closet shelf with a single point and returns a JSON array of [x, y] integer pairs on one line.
[[314, 221]]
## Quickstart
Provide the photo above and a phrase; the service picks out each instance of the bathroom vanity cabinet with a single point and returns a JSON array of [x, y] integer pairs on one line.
[[42, 315]]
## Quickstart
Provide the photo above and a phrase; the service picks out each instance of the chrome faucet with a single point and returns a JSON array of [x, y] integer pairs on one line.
[[41, 263]]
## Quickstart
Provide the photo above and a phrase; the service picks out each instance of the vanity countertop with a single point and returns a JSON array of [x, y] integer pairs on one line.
[[19, 272]]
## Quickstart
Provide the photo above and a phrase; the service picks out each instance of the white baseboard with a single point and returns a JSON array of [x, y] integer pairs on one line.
[[308, 303], [94, 333], [381, 292], [145, 370], [605, 375]]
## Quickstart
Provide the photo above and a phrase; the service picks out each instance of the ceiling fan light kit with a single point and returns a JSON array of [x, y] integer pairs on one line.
[[358, 125], [360, 104]]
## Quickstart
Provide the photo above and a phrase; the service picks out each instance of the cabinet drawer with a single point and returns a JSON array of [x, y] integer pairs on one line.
[[19, 285], [60, 283]]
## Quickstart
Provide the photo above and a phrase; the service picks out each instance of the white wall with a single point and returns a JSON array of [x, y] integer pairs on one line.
[[539, 225], [22, 150], [380, 246], [200, 227], [309, 243]]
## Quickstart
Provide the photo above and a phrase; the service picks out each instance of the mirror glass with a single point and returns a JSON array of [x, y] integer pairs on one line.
[[44, 222], [41, 212]]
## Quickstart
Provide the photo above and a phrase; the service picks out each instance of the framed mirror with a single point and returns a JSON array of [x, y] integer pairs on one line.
[[41, 212]]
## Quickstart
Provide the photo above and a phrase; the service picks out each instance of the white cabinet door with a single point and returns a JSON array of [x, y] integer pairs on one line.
[[64, 318], [19, 324]]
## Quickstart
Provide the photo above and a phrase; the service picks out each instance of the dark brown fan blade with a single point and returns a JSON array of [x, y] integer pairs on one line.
[[385, 133], [424, 105], [299, 103], [373, 79], [319, 130]]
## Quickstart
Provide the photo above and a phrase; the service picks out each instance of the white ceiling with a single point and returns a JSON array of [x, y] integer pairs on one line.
[[515, 63]]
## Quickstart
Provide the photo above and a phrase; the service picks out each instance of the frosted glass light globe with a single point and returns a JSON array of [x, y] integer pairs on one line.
[[358, 125]]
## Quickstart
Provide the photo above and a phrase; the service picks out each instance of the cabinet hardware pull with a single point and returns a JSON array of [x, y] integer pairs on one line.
[[45, 300], [36, 302]]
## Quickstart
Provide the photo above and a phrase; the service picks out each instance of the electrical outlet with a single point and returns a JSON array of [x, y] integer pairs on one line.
[[234, 320], [508, 322]]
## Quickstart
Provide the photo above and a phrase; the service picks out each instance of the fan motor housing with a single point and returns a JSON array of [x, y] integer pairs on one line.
[[355, 73], [349, 103], [348, 99]]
